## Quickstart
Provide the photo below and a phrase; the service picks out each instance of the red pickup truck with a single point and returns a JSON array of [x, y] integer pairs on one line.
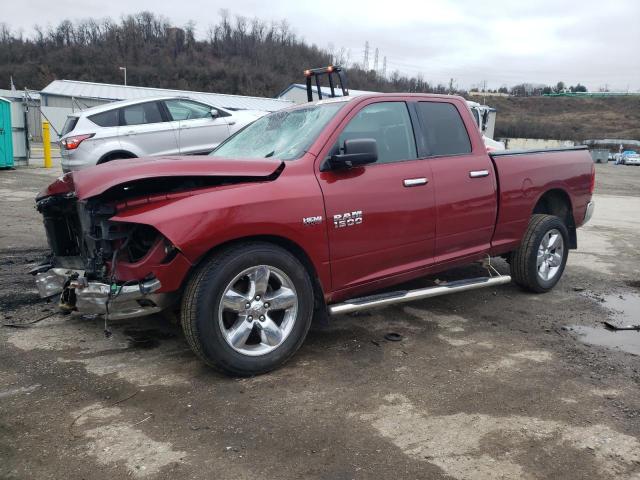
[[307, 212]]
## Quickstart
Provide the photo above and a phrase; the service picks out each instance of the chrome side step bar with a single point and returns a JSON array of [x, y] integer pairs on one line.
[[383, 299]]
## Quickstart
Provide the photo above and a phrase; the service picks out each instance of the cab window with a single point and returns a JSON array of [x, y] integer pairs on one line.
[[389, 124], [444, 129]]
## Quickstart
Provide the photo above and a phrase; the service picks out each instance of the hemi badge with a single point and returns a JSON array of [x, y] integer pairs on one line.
[[312, 220]]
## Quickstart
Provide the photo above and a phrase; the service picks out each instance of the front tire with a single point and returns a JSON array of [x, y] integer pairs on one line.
[[537, 265], [248, 309]]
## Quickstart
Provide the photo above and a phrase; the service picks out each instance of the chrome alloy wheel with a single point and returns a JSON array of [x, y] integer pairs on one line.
[[258, 310], [550, 255]]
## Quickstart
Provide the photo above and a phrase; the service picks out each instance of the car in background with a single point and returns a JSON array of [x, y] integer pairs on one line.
[[630, 157], [146, 127]]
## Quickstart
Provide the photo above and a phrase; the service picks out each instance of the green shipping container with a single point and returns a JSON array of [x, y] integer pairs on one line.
[[6, 140]]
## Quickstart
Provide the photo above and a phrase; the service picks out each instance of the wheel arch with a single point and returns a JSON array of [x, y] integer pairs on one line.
[[289, 245], [557, 201], [106, 157]]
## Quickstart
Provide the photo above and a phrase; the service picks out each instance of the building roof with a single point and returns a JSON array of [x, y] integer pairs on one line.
[[110, 92], [18, 94], [326, 91]]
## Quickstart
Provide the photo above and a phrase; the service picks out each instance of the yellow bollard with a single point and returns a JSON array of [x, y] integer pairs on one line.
[[46, 140]]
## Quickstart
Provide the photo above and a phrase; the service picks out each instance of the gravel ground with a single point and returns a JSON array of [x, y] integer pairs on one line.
[[485, 385]]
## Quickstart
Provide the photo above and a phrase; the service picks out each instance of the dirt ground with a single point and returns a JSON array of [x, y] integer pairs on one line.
[[490, 384]]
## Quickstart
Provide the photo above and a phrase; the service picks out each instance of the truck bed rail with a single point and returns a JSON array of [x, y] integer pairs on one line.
[[503, 153]]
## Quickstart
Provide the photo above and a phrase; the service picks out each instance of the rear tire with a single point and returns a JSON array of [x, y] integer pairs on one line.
[[537, 265], [248, 309]]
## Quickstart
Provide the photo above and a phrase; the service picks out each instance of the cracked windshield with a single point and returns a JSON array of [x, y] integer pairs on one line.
[[284, 135]]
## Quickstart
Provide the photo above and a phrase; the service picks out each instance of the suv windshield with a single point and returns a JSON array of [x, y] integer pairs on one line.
[[285, 135]]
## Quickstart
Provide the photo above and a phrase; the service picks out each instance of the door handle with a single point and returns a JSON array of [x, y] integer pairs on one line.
[[415, 182], [478, 173]]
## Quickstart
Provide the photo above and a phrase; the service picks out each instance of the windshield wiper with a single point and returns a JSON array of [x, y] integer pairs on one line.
[[270, 154]]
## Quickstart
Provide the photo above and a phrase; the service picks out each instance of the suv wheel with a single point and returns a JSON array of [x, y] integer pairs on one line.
[[248, 309], [539, 262]]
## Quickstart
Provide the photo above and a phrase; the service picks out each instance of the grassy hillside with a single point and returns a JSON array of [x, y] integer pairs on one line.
[[567, 118]]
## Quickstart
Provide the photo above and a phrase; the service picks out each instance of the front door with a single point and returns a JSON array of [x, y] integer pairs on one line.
[[380, 217], [465, 185], [199, 131]]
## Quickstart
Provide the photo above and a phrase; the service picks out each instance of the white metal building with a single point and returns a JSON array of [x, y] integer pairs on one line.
[[62, 97], [76, 94]]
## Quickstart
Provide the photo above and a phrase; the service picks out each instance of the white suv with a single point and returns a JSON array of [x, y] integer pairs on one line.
[[143, 127]]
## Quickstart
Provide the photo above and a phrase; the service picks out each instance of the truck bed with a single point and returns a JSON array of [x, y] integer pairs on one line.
[[525, 175]]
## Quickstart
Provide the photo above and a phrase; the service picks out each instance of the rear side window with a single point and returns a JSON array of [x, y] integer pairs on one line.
[[105, 119], [141, 114], [69, 125], [390, 125], [444, 129]]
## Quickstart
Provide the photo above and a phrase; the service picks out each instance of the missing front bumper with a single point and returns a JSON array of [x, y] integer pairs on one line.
[[115, 302]]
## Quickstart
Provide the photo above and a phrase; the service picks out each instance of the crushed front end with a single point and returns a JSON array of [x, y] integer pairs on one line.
[[102, 267]]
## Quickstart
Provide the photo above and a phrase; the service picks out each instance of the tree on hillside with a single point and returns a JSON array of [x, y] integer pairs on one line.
[[239, 55], [559, 88], [578, 88]]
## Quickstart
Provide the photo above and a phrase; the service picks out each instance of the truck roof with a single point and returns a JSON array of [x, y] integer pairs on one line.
[[380, 95]]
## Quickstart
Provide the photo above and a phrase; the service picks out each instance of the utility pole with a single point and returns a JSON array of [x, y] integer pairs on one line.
[[451, 86], [375, 61], [124, 69], [365, 64], [384, 66]]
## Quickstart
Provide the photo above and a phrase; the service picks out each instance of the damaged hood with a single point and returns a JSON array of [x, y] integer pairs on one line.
[[101, 178]]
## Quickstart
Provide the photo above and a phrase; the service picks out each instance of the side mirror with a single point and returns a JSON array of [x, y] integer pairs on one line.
[[214, 113], [357, 152]]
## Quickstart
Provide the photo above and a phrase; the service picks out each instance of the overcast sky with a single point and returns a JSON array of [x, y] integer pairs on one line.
[[593, 42]]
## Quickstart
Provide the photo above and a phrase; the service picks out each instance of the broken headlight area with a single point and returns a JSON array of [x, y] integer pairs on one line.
[[81, 236]]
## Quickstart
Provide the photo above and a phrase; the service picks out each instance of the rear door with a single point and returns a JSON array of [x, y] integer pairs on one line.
[[143, 126], [199, 131], [463, 178], [380, 217]]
